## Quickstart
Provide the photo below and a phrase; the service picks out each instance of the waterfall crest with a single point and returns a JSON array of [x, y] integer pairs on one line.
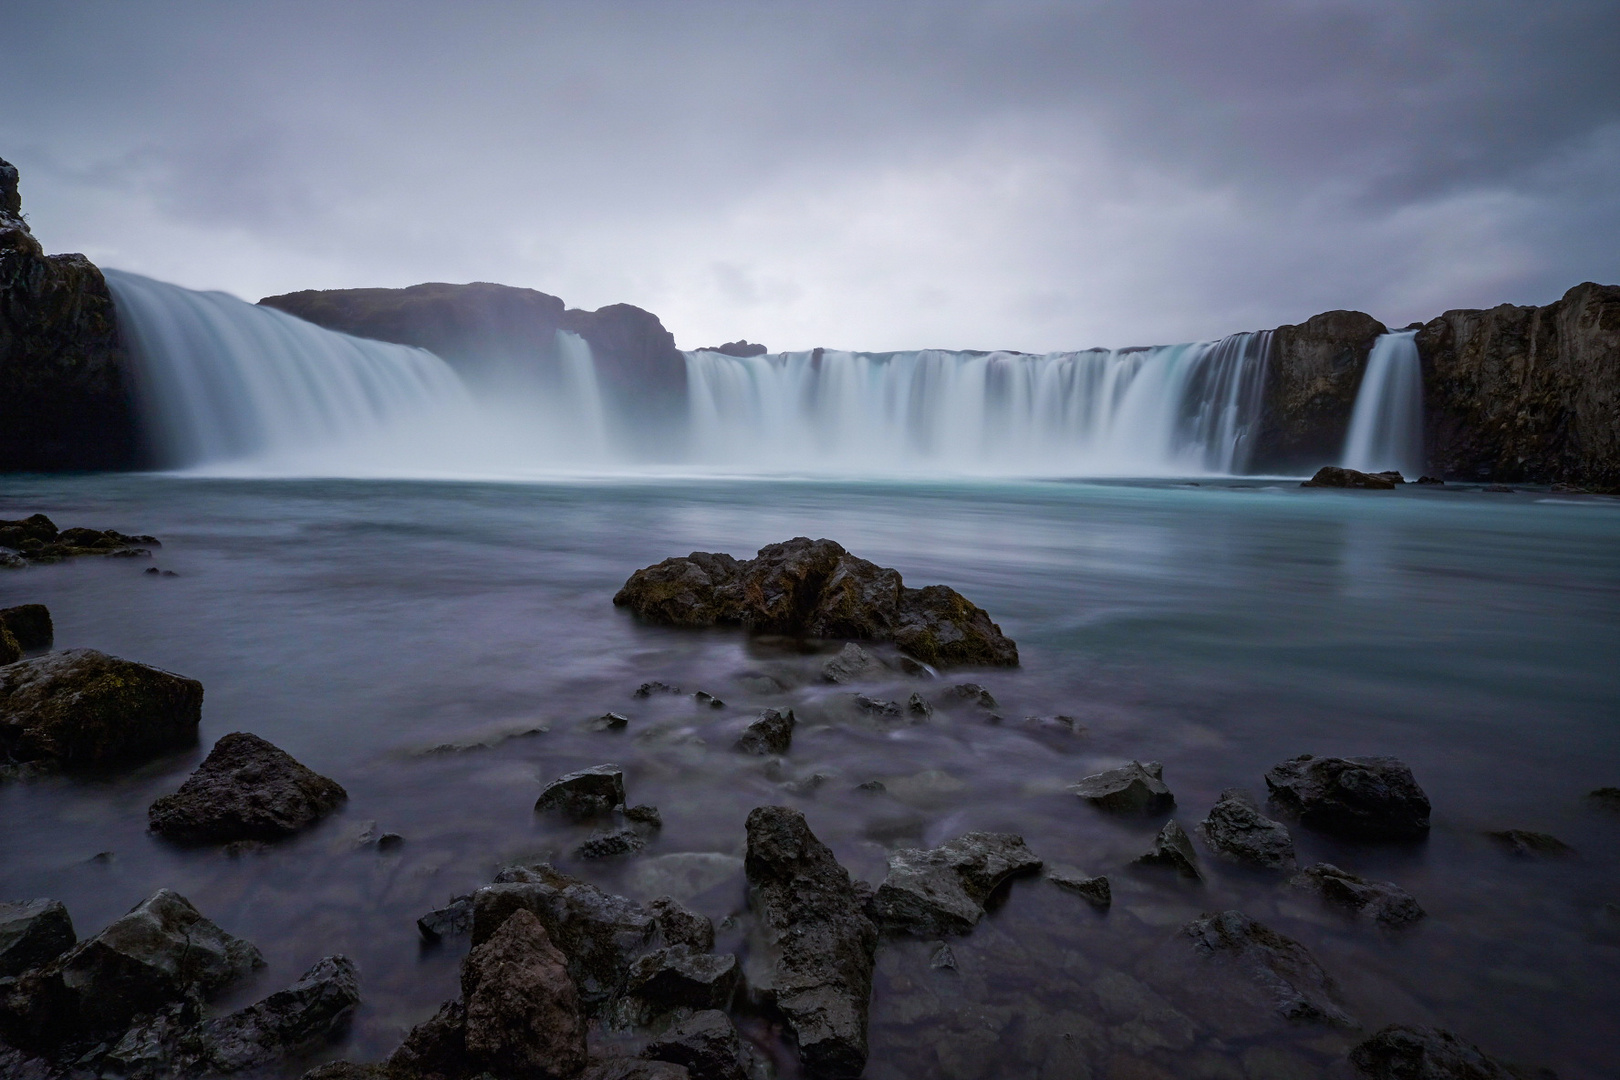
[[1386, 426]]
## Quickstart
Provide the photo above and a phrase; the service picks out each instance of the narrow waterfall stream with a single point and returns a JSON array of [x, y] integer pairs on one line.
[[1386, 427]]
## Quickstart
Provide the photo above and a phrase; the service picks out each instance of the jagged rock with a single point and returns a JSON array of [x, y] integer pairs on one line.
[[1237, 830], [678, 976], [703, 697], [679, 926], [310, 1011], [162, 951], [942, 890], [819, 944], [1371, 798], [1407, 1052], [706, 1043], [1172, 848], [886, 710], [435, 1048], [1133, 788], [33, 932], [1282, 969], [852, 664], [772, 733], [1383, 901], [586, 793], [973, 694], [608, 722], [608, 844], [1095, 890], [917, 707], [1312, 372], [452, 920], [815, 588], [1335, 477], [522, 1012], [648, 689], [29, 625], [643, 814], [1531, 845], [82, 708], [943, 959], [245, 789]]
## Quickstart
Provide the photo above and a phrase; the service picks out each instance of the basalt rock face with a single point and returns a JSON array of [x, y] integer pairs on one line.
[[483, 329], [65, 400], [1313, 371], [1526, 394]]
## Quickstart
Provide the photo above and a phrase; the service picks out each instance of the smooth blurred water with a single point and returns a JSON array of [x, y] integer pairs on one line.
[[1216, 628]]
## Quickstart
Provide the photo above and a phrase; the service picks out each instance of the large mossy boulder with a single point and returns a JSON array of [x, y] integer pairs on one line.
[[246, 789], [82, 709], [814, 588]]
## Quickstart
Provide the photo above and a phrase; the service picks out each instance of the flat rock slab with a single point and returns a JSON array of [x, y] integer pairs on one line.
[[1172, 848], [1382, 901], [814, 588], [1133, 788], [942, 890], [771, 733], [1095, 890], [33, 932], [1282, 970], [83, 708], [1235, 829], [1368, 798], [245, 789], [819, 944], [586, 793], [1406, 1052]]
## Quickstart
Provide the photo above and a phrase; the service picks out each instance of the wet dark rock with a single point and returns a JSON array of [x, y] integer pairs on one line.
[[586, 793], [1133, 788], [706, 1043], [742, 347], [771, 733], [703, 697], [82, 708], [1172, 848], [648, 689], [1235, 829], [1406, 1052], [29, 625], [1282, 969], [942, 890], [435, 1049], [853, 664], [814, 588], [679, 976], [37, 540], [1333, 476], [1370, 798], [610, 843], [162, 951], [1312, 373], [872, 786], [608, 722], [917, 707], [1530, 845], [622, 1068], [33, 932], [973, 694], [522, 1011], [643, 814], [309, 1012], [1095, 890], [679, 926], [943, 958], [1431, 481], [1383, 901], [884, 710], [819, 944], [452, 920], [1606, 798], [245, 789]]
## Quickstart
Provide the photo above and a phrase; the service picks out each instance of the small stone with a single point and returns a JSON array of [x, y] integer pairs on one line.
[[33, 933], [772, 733], [705, 698], [888, 710], [452, 920], [389, 841], [1094, 890], [1530, 845], [1235, 829], [1172, 848], [585, 793], [611, 721], [1431, 480], [916, 706], [943, 957], [1281, 969], [872, 786], [1383, 901], [806, 785], [1133, 788], [974, 694], [246, 789], [645, 815], [852, 664], [648, 689], [606, 845]]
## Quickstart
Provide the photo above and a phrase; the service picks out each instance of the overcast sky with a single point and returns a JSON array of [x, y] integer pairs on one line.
[[877, 175]]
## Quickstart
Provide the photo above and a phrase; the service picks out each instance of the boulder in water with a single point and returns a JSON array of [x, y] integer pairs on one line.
[[1335, 477], [771, 733], [942, 890], [1530, 845], [1369, 798], [1133, 788], [585, 793], [1281, 969], [246, 789], [29, 626], [852, 664], [33, 932], [1095, 890], [1235, 829], [1172, 848], [522, 1012], [1382, 901]]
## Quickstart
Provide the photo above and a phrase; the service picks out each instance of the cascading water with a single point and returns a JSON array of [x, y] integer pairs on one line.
[[1170, 410], [1386, 426]]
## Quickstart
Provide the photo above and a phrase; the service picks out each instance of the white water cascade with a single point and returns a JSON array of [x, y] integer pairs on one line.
[[1386, 426], [1168, 410]]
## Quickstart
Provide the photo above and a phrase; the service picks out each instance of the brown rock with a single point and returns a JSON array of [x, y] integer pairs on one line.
[[523, 1017]]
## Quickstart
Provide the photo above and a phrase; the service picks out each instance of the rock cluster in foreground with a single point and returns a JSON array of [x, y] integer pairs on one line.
[[814, 588]]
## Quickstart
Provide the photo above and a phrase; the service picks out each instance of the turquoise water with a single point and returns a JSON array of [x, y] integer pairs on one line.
[[1216, 628]]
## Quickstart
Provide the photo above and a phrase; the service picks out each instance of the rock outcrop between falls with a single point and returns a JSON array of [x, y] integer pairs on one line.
[[814, 588], [65, 399], [1312, 374]]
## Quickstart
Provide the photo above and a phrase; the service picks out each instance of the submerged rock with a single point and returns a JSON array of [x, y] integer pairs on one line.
[[585, 793], [878, 707], [83, 708], [973, 694], [1383, 901], [1531, 845], [1172, 848], [1333, 476], [1235, 829], [1407, 1052], [1370, 798], [942, 890], [819, 944], [245, 789], [610, 721], [852, 664], [814, 588], [1094, 890], [33, 932], [29, 625], [706, 1043], [771, 733], [1133, 788], [1282, 969]]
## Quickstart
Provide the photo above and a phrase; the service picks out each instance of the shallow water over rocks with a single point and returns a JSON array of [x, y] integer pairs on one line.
[[441, 651]]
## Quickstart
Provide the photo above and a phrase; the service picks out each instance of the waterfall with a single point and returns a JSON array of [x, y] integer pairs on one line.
[[1386, 426], [1168, 410]]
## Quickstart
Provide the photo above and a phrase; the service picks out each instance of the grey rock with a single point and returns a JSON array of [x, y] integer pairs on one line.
[[245, 789], [1383, 901], [1530, 845], [29, 625], [973, 694], [1133, 788], [678, 976], [1370, 798], [853, 664], [33, 932], [819, 945], [643, 814], [703, 697], [1407, 1052], [610, 721], [944, 958], [622, 1068], [942, 890], [610, 843], [648, 689], [771, 733], [1095, 890], [806, 785], [452, 920], [1282, 969], [679, 926], [1235, 829], [917, 707], [706, 1043], [309, 1012], [1172, 848], [885, 710], [586, 793]]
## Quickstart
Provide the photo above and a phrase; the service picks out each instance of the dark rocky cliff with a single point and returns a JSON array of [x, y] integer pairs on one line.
[[1527, 394], [1312, 376], [65, 401]]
